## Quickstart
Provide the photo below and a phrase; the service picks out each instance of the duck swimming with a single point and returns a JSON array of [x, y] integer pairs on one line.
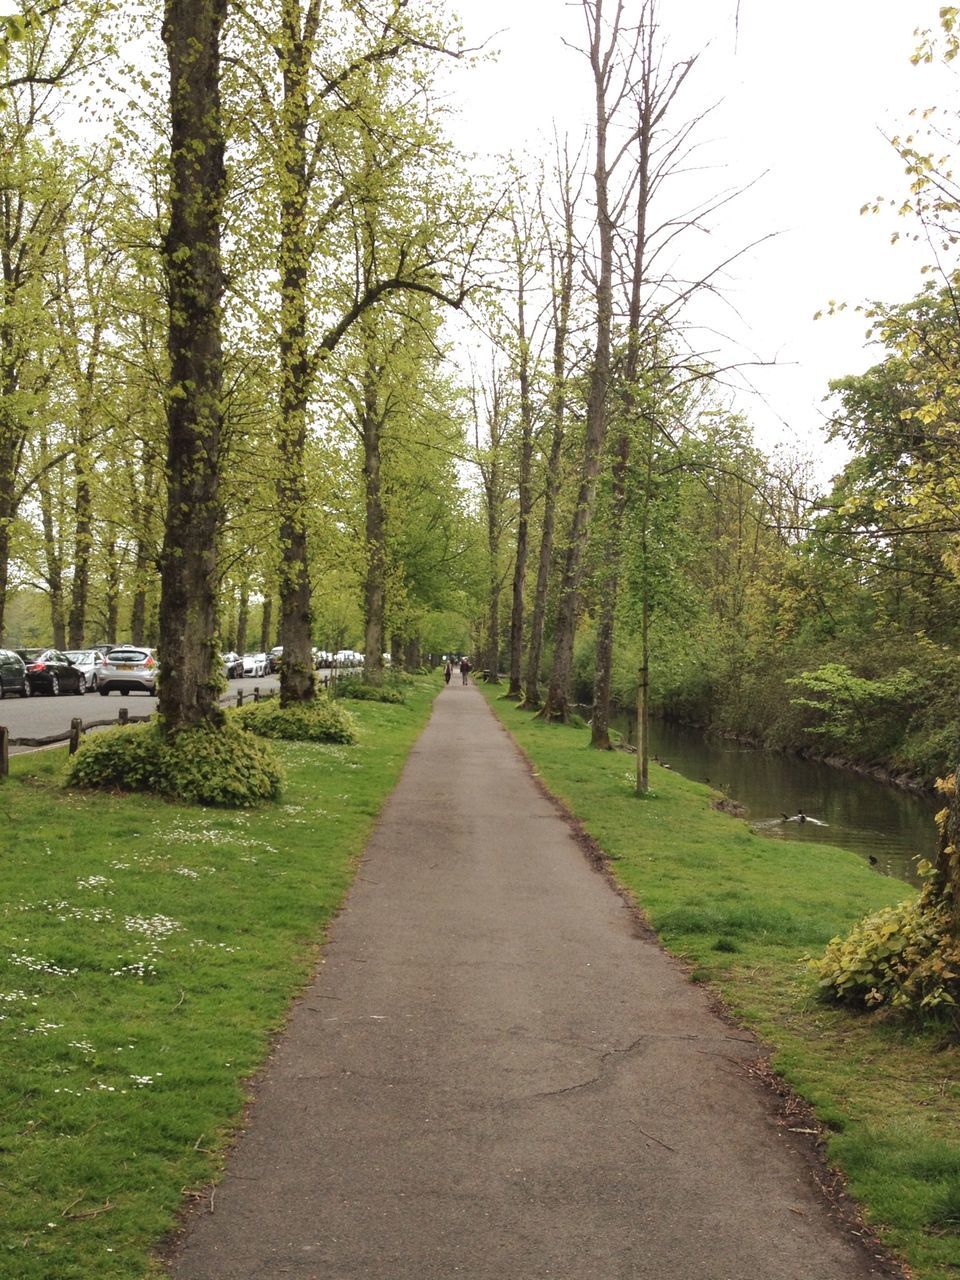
[[800, 816]]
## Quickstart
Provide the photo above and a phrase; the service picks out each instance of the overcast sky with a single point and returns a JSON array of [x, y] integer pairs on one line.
[[808, 92]]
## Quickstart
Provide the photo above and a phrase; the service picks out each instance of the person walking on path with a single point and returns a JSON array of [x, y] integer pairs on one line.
[[498, 1073], [447, 672], [465, 669]]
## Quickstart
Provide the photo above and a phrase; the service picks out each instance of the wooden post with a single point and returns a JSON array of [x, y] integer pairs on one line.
[[256, 693], [76, 733], [123, 715], [4, 750], [239, 697]]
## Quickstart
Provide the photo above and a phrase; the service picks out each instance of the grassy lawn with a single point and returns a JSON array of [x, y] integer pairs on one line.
[[743, 911], [150, 952]]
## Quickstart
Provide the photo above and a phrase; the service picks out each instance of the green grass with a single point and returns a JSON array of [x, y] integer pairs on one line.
[[743, 911], [150, 952]]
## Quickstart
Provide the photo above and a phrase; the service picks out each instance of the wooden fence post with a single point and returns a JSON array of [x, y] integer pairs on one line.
[[239, 697], [123, 715], [76, 733], [4, 750], [256, 693]]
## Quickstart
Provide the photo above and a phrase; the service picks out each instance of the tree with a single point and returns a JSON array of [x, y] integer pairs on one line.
[[611, 69], [192, 258]]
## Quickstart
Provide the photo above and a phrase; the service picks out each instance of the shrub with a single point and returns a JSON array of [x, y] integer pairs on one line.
[[204, 765], [319, 720], [368, 692], [903, 957]]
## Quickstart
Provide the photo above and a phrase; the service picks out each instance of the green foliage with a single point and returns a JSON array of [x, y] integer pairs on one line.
[[216, 766], [859, 714], [319, 720], [902, 957], [362, 692]]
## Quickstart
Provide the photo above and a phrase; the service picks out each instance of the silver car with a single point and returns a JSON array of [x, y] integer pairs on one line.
[[130, 669], [89, 662]]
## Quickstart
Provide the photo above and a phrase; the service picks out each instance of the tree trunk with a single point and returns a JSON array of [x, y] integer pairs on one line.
[[374, 592], [266, 624], [111, 612], [562, 258], [83, 547], [243, 617], [643, 703], [83, 503], [54, 567], [603, 670], [557, 705], [411, 655], [525, 489], [189, 578]]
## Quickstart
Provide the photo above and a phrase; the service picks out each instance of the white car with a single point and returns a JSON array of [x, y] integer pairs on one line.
[[255, 664]]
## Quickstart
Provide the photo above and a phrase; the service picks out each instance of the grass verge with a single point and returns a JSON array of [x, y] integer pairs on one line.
[[742, 912], [150, 952]]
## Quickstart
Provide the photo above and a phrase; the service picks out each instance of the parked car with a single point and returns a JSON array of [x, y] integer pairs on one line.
[[274, 658], [132, 668], [88, 660], [13, 674], [232, 665], [51, 671], [255, 664]]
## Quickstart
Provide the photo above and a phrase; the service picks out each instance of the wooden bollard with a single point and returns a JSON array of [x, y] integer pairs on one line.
[[239, 697], [76, 734], [4, 750], [256, 693], [123, 715]]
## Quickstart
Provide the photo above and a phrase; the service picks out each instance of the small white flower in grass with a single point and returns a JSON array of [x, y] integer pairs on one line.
[[94, 882], [41, 966], [188, 872]]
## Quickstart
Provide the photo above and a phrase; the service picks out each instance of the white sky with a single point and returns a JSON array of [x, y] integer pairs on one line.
[[807, 92]]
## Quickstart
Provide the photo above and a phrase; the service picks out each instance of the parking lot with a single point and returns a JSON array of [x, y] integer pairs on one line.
[[42, 717]]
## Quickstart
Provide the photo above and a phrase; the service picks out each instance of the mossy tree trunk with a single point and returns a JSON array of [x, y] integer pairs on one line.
[[192, 257], [297, 682], [375, 532]]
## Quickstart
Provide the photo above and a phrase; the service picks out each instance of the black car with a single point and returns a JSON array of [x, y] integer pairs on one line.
[[13, 674], [50, 671]]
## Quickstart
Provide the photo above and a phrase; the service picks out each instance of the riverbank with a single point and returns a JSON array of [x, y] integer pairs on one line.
[[742, 911], [150, 954]]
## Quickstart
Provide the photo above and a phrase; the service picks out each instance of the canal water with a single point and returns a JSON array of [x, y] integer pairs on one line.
[[872, 818]]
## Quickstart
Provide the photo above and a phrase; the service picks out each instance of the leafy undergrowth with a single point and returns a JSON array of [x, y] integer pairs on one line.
[[225, 766], [744, 912], [149, 952], [390, 691], [319, 720]]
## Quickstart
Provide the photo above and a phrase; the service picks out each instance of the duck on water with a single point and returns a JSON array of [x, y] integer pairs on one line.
[[800, 816]]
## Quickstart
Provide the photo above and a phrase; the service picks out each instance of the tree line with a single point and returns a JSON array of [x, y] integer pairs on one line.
[[235, 409]]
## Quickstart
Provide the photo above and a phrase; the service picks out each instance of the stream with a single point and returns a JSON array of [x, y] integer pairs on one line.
[[874, 819]]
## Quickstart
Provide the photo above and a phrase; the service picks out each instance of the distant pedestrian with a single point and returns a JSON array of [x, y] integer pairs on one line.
[[464, 668], [447, 672]]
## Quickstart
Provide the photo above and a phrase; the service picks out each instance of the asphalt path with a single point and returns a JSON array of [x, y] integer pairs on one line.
[[498, 1075], [42, 716]]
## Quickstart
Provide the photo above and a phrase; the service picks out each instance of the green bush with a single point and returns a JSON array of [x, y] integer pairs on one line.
[[205, 765], [368, 692], [903, 957], [319, 720]]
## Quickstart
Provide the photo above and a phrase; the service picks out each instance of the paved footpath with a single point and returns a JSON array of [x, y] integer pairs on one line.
[[494, 1077]]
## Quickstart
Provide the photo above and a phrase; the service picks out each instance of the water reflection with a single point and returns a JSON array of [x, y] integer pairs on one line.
[[874, 819]]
